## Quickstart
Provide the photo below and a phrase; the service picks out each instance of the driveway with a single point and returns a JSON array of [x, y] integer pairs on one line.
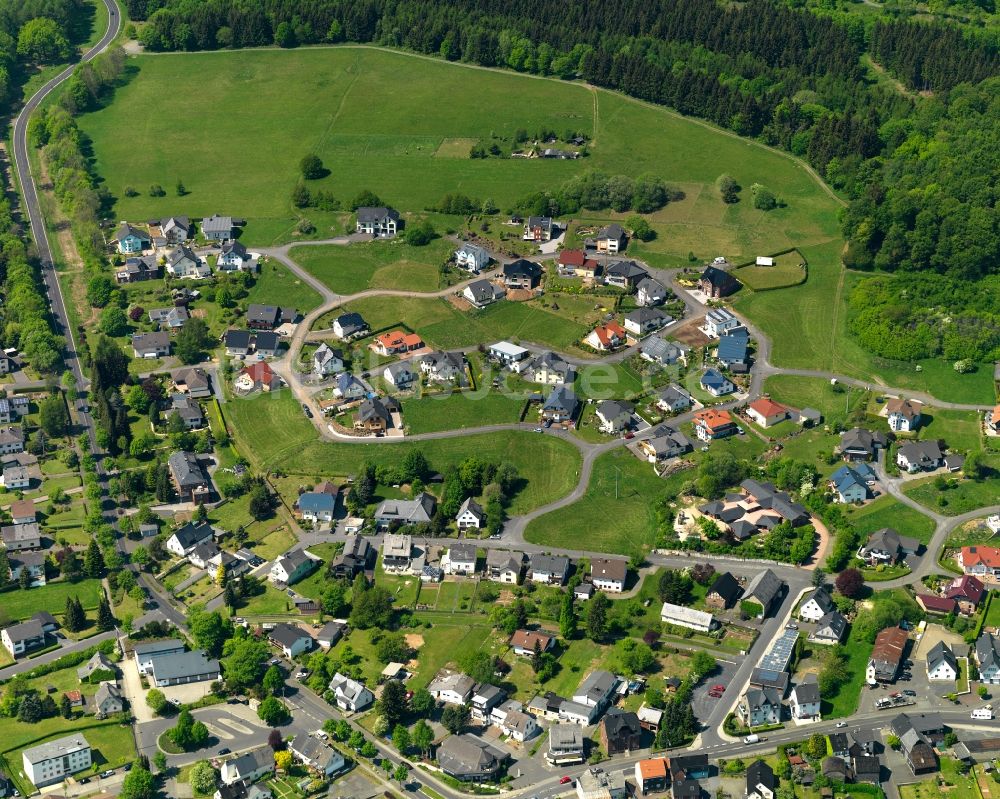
[[135, 693], [186, 694]]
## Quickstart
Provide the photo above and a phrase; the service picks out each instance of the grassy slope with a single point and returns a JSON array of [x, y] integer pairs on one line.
[[276, 285], [889, 512], [19, 604], [450, 412], [399, 140], [272, 432], [380, 264]]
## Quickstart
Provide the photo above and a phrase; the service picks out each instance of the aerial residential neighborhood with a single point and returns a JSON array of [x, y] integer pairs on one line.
[[574, 401]]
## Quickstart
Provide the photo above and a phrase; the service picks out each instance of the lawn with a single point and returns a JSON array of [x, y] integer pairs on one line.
[[966, 495], [889, 512], [815, 392], [844, 701], [457, 410], [785, 272], [20, 604], [961, 786], [547, 465], [270, 603], [236, 513], [808, 327], [277, 285], [379, 264], [618, 509], [406, 140], [275, 543], [960, 430]]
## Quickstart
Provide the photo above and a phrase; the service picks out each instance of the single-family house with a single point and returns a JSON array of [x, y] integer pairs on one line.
[[651, 776], [348, 387], [320, 504], [852, 483], [461, 559], [645, 320], [183, 262], [18, 639], [981, 561], [723, 592], [350, 695], [348, 326], [614, 416], [503, 566], [716, 384], [397, 342], [607, 337], [830, 629], [233, 257], [522, 274], [483, 292], [399, 375], [171, 318], [942, 665], [291, 567], [248, 767], [919, 456], [330, 633], [353, 559], [509, 355], [526, 643], [967, 591], [733, 351], [32, 562], [887, 546], [664, 442], [132, 240], [22, 511], [138, 268], [549, 569], [291, 640], [20, 537], [766, 412], [218, 228], [418, 510], [257, 376], [624, 275], [107, 700], [485, 698], [988, 658], [716, 283], [443, 367], [187, 410], [561, 405], [549, 369], [316, 755], [374, 415], [397, 552], [380, 222], [761, 782], [470, 515], [452, 687], [674, 399], [903, 415], [804, 701], [662, 352], [472, 258], [238, 343], [719, 321], [611, 238], [193, 382], [327, 361], [651, 291], [596, 690], [858, 444], [151, 345], [538, 229], [566, 745], [712, 423], [268, 317], [609, 574], [620, 732], [816, 605], [575, 263]]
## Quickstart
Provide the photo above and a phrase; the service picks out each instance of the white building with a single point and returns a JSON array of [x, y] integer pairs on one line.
[[805, 700], [816, 606], [510, 355], [51, 762], [472, 258], [452, 688], [686, 617], [941, 664], [350, 694], [718, 321]]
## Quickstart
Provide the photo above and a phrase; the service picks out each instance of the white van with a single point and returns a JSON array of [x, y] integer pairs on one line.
[[751, 739], [982, 713]]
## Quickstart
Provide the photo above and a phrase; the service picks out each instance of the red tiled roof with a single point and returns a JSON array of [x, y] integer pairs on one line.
[[259, 372], [931, 602], [606, 332], [525, 639], [995, 416], [572, 257], [712, 418], [967, 587], [977, 555], [889, 645], [653, 768], [767, 407]]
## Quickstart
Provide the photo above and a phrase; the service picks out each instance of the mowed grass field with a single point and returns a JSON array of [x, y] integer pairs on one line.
[[411, 149], [808, 328], [390, 264], [271, 431]]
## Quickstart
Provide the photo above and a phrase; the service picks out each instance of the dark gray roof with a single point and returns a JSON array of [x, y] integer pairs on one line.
[[522, 268], [238, 339], [726, 586], [351, 323], [287, 634], [941, 654], [562, 399], [376, 214], [217, 224], [183, 664], [186, 469], [807, 690], [629, 270], [193, 533], [465, 754], [765, 587], [150, 342], [263, 313]]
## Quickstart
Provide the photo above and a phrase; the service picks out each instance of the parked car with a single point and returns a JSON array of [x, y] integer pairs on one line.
[[908, 692], [566, 780], [109, 773], [225, 750], [841, 724]]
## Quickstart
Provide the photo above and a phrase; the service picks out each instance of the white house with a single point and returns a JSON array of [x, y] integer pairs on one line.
[[349, 694], [816, 605], [941, 663], [327, 361], [248, 767], [380, 222], [674, 399], [472, 258], [317, 755], [291, 640], [510, 355], [482, 293], [718, 321], [291, 567], [470, 515], [452, 687], [614, 416], [460, 559], [903, 415], [608, 574], [184, 540], [805, 699]]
